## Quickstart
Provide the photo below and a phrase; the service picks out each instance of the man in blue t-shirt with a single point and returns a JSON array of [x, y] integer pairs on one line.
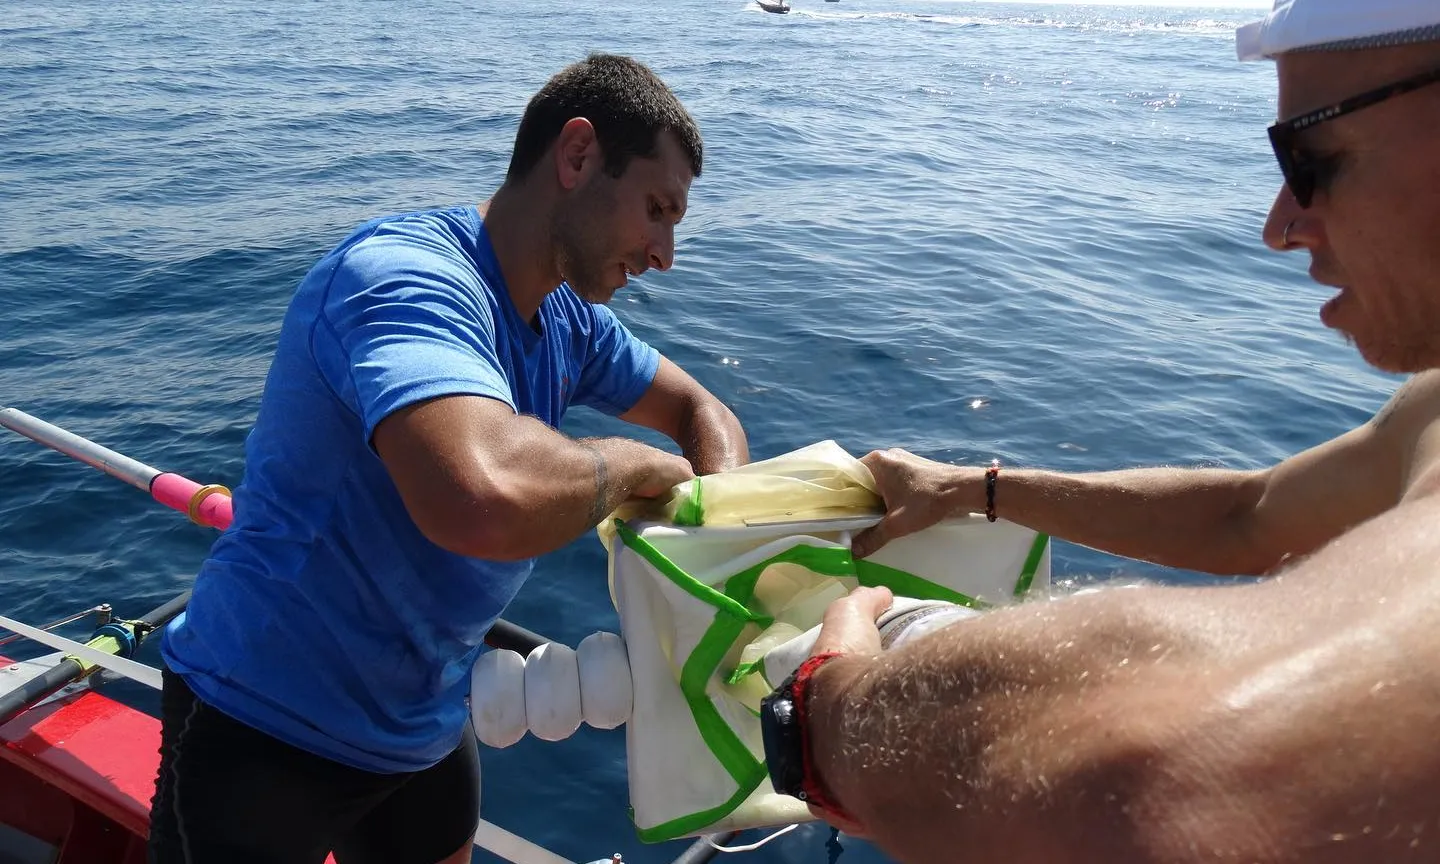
[[403, 473]]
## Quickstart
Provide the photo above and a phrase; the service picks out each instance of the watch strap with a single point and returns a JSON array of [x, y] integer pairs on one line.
[[812, 791]]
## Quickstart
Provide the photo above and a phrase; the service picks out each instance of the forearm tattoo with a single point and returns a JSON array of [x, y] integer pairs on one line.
[[598, 508]]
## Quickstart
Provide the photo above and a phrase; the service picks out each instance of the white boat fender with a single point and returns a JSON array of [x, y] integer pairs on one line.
[[607, 694], [556, 688], [497, 698], [552, 692]]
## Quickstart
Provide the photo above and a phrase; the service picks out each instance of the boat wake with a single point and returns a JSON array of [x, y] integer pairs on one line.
[[1124, 25]]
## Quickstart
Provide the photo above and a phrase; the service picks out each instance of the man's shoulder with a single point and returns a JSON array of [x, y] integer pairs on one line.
[[419, 234], [425, 249], [1413, 408]]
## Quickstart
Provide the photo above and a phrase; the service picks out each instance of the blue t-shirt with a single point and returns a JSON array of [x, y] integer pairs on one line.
[[323, 616]]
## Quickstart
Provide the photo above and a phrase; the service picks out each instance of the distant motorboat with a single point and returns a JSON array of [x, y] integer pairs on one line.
[[779, 8]]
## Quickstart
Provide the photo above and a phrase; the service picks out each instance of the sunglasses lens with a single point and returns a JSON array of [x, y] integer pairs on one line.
[[1298, 173], [1301, 180]]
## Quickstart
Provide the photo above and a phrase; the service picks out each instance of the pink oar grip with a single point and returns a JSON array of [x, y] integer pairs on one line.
[[206, 505]]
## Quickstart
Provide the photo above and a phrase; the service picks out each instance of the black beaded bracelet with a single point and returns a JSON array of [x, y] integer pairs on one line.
[[991, 474]]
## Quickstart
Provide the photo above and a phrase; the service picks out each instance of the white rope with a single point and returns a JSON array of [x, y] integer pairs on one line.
[[147, 675], [748, 847]]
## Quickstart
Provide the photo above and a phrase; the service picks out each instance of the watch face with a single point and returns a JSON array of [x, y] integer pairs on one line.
[[781, 737]]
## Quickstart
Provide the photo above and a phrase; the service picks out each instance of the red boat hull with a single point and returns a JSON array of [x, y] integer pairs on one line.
[[77, 775]]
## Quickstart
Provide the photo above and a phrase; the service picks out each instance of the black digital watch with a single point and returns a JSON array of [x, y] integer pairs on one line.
[[784, 745]]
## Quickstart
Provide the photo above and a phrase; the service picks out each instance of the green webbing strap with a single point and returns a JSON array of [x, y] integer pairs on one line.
[[691, 511], [904, 584], [695, 822], [670, 571], [733, 615], [745, 670], [1032, 563], [731, 618]]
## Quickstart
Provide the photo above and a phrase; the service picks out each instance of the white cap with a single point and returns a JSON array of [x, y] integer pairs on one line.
[[1311, 25]]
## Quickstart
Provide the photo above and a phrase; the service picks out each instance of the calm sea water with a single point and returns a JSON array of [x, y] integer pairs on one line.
[[969, 229]]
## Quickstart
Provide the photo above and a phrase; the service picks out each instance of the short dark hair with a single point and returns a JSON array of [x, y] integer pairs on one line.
[[628, 105]]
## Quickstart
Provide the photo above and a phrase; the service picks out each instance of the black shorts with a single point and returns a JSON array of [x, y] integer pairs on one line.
[[229, 793]]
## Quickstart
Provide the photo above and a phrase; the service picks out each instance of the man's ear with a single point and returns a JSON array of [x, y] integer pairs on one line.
[[577, 153]]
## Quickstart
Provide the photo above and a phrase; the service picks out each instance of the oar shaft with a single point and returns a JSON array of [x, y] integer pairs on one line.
[[121, 467], [14, 703], [161, 615], [206, 505]]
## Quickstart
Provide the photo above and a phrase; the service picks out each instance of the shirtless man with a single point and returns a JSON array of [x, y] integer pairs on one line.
[[1290, 719]]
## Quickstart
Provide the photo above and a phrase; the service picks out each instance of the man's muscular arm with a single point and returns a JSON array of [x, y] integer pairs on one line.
[[479, 480], [1214, 520], [1275, 721]]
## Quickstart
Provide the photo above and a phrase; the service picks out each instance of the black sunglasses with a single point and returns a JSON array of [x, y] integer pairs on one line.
[[1301, 170]]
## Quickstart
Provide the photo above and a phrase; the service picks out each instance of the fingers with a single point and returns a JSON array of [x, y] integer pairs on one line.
[[682, 468], [889, 454], [870, 540], [666, 472], [672, 470], [849, 625], [882, 462], [894, 473]]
